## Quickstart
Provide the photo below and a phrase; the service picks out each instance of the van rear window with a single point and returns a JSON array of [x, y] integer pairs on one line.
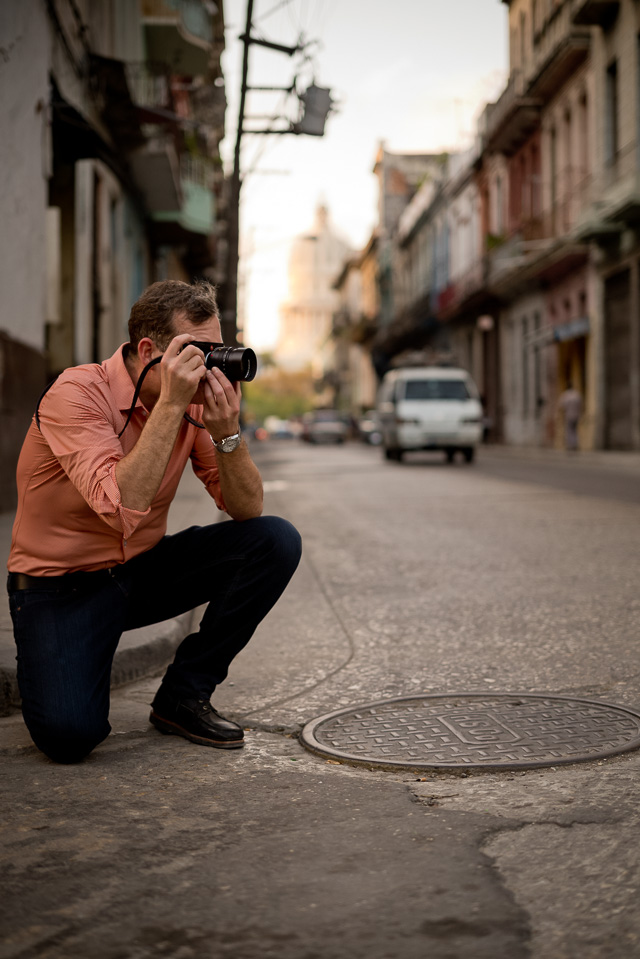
[[436, 390]]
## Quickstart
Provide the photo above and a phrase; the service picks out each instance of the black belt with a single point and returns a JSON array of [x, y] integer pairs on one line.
[[83, 579]]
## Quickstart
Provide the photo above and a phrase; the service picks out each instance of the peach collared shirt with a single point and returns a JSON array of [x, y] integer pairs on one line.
[[70, 515]]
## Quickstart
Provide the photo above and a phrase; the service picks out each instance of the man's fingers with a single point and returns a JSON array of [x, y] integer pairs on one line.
[[222, 387], [178, 343]]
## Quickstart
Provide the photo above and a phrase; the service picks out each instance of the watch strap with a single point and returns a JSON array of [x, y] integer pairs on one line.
[[229, 443]]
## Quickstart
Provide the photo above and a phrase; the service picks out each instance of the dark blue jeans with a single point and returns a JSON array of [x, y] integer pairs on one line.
[[67, 637]]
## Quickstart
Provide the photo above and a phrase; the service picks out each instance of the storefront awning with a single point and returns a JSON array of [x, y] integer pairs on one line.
[[571, 330]]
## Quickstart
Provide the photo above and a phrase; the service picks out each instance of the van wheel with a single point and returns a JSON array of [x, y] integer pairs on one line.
[[392, 454], [450, 455], [469, 454]]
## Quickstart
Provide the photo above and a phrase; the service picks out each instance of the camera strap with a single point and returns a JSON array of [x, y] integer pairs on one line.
[[136, 394]]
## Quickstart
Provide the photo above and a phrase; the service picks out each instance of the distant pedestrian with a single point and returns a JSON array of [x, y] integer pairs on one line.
[[570, 404], [97, 473]]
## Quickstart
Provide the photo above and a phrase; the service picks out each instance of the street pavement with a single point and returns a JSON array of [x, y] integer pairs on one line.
[[519, 573]]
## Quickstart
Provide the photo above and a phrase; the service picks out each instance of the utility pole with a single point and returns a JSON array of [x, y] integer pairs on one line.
[[230, 311], [311, 123]]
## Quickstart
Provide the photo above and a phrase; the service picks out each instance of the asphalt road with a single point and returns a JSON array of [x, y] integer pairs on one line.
[[515, 573]]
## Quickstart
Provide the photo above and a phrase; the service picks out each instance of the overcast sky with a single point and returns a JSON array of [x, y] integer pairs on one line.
[[414, 73]]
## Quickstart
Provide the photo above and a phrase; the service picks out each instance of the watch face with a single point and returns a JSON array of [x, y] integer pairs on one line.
[[229, 444]]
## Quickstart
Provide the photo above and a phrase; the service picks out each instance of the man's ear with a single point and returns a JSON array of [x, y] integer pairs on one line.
[[146, 350]]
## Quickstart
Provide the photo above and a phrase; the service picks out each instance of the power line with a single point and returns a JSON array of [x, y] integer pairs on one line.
[[278, 6]]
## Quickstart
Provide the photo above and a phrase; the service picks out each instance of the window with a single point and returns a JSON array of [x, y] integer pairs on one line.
[[568, 153], [499, 223], [553, 151], [583, 133], [611, 114], [638, 101], [537, 370], [437, 390], [525, 367], [536, 204]]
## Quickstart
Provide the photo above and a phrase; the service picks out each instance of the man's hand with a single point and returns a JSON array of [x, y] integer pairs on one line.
[[221, 413], [239, 478], [181, 370]]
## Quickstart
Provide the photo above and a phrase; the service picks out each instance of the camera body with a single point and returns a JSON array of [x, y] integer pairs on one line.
[[236, 362]]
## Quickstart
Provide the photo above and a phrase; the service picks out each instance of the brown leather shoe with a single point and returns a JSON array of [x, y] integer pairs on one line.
[[195, 719]]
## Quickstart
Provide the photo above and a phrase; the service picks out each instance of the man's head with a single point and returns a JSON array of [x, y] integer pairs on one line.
[[170, 307]]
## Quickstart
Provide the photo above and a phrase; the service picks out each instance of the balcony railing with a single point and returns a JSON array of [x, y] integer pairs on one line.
[[180, 33], [196, 212], [614, 199], [462, 289], [595, 13], [198, 170], [190, 17], [559, 48], [513, 118]]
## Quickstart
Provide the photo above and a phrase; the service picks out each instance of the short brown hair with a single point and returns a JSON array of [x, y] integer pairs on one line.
[[161, 303]]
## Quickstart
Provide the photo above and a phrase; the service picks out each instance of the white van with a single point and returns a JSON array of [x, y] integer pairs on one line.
[[429, 408]]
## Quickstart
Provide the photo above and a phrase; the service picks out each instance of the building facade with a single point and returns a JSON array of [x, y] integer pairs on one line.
[[520, 259], [306, 317], [112, 178]]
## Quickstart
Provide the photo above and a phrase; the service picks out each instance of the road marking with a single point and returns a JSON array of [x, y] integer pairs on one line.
[[274, 486]]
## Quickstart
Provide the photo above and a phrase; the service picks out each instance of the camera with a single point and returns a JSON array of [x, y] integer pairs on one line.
[[236, 362]]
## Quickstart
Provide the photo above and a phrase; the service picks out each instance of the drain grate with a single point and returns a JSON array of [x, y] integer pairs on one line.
[[474, 730]]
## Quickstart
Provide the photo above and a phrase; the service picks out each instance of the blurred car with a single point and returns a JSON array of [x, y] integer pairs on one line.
[[369, 430], [324, 426], [430, 408]]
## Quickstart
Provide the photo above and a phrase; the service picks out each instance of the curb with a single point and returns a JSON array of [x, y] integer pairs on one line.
[[141, 653]]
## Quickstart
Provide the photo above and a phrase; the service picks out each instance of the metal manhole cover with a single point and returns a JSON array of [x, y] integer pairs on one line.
[[505, 730]]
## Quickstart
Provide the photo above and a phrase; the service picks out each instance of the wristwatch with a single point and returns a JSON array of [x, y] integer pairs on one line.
[[228, 444]]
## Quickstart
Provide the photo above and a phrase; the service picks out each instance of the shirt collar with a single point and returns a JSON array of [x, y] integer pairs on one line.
[[120, 382], [123, 388]]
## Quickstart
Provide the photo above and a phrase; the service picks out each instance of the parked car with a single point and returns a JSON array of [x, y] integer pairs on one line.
[[324, 426], [429, 408], [369, 428], [280, 429]]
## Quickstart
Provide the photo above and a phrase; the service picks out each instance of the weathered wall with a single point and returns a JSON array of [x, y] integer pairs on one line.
[[22, 373]]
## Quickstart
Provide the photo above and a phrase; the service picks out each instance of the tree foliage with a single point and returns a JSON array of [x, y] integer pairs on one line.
[[277, 392]]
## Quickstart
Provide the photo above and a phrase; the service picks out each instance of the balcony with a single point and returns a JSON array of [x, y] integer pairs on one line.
[[512, 120], [595, 13], [614, 199], [520, 265], [196, 212], [156, 171], [112, 92], [179, 33], [560, 47]]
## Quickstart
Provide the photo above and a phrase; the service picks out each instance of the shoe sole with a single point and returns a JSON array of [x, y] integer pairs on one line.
[[172, 729]]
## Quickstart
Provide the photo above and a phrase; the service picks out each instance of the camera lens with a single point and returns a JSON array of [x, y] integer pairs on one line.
[[236, 362]]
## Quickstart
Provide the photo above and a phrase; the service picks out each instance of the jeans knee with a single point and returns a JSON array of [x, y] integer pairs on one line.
[[67, 742], [286, 542]]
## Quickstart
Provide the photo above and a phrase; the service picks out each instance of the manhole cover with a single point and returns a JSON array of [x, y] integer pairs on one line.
[[510, 731]]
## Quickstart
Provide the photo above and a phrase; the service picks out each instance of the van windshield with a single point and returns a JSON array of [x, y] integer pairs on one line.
[[437, 390]]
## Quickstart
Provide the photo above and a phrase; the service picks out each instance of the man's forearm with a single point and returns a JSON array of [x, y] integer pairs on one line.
[[240, 483], [140, 473]]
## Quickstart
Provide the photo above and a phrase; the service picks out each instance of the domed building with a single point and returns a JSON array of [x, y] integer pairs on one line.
[[315, 262]]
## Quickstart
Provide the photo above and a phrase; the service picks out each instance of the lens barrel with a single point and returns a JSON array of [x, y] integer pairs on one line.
[[236, 362]]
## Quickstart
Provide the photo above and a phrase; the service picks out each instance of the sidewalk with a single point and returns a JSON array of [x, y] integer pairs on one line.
[[609, 459], [141, 652]]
